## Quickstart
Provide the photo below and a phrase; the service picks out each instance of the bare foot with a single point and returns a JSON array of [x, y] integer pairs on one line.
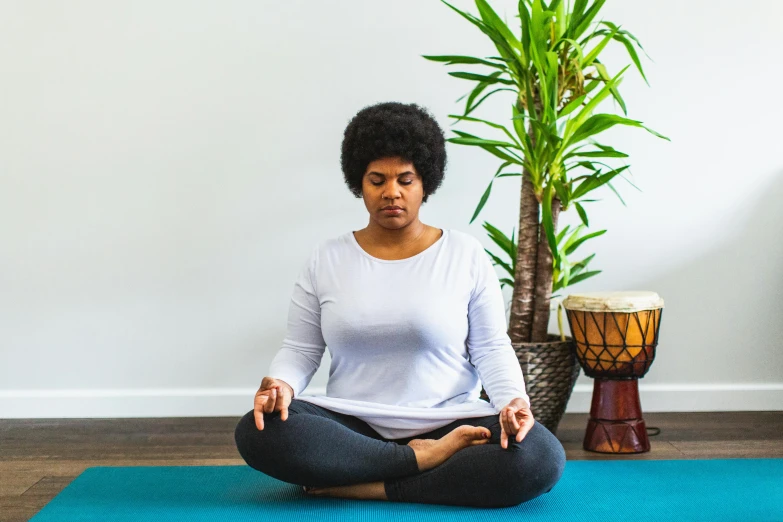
[[365, 491], [432, 452]]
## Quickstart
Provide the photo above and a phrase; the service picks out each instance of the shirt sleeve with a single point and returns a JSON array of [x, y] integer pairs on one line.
[[488, 343], [303, 347]]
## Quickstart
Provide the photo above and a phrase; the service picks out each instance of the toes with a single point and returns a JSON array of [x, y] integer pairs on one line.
[[478, 432]]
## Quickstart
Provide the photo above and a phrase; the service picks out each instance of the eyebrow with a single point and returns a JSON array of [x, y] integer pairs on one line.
[[398, 175]]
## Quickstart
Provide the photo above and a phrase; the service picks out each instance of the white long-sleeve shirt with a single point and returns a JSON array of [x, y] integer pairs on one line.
[[411, 340]]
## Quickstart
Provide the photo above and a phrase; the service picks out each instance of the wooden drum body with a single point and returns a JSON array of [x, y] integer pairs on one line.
[[615, 335]]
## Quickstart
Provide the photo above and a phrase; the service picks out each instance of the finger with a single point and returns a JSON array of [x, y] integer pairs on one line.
[[503, 433], [514, 421], [507, 425], [283, 409], [526, 429], [269, 407], [272, 401], [258, 408], [513, 425]]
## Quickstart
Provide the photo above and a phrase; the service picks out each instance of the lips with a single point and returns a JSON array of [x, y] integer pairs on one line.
[[391, 208]]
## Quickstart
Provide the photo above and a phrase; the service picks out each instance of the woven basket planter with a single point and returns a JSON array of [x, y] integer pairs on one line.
[[550, 369]]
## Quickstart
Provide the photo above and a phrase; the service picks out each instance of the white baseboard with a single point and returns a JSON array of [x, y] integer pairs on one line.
[[234, 402]]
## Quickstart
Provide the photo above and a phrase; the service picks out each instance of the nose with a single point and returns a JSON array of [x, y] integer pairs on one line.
[[391, 193]]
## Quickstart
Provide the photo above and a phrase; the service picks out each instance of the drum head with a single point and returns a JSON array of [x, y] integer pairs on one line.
[[632, 301]]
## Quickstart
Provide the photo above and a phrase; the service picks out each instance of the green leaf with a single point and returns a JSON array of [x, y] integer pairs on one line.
[[482, 142], [524, 18], [480, 77], [570, 249], [483, 201], [573, 237], [477, 90], [502, 46], [618, 194], [574, 123], [582, 214], [562, 233], [469, 17], [467, 60], [573, 19], [492, 150], [493, 125], [548, 131], [593, 54], [579, 50], [598, 123], [551, 80], [566, 270], [562, 195], [598, 154], [578, 267], [546, 206], [573, 104], [470, 109], [594, 182], [491, 18], [517, 118], [501, 240], [628, 46], [501, 263], [582, 277], [602, 72], [585, 20]]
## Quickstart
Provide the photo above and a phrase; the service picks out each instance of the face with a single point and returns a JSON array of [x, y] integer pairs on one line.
[[392, 182]]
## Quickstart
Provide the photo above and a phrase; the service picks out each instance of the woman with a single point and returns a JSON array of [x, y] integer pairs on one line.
[[415, 322]]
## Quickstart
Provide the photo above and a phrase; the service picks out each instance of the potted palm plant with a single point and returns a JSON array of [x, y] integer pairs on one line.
[[557, 84]]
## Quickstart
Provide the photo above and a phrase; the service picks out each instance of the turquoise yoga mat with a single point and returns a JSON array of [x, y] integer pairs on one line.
[[654, 490]]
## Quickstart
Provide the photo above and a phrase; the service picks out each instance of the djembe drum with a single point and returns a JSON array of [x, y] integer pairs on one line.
[[615, 335]]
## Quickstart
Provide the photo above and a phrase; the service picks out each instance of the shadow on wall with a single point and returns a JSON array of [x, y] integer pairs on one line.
[[723, 315], [725, 306]]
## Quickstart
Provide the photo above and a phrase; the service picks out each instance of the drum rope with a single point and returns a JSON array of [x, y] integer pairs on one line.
[[652, 431]]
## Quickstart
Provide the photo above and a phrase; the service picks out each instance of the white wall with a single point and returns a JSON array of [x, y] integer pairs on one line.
[[166, 166]]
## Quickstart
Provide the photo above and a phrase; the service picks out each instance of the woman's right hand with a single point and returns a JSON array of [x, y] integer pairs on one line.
[[273, 395]]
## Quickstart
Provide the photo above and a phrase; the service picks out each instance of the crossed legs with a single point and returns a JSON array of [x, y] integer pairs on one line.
[[321, 448]]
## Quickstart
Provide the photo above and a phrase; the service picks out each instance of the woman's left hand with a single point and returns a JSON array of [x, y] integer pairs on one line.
[[516, 419]]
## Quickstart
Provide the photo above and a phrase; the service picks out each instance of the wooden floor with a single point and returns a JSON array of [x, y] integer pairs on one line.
[[40, 457]]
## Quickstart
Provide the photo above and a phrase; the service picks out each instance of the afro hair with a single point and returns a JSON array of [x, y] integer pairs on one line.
[[393, 129]]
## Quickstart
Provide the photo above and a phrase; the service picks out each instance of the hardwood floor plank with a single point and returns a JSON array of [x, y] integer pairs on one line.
[[49, 487], [40, 457], [731, 449], [75, 467], [17, 482], [659, 450]]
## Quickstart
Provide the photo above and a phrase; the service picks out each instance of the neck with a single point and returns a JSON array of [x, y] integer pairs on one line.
[[395, 237]]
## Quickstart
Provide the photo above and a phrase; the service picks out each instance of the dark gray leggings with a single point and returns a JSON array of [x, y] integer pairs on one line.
[[321, 448]]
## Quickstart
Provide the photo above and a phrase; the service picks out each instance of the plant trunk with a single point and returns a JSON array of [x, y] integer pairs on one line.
[[522, 299], [543, 291]]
